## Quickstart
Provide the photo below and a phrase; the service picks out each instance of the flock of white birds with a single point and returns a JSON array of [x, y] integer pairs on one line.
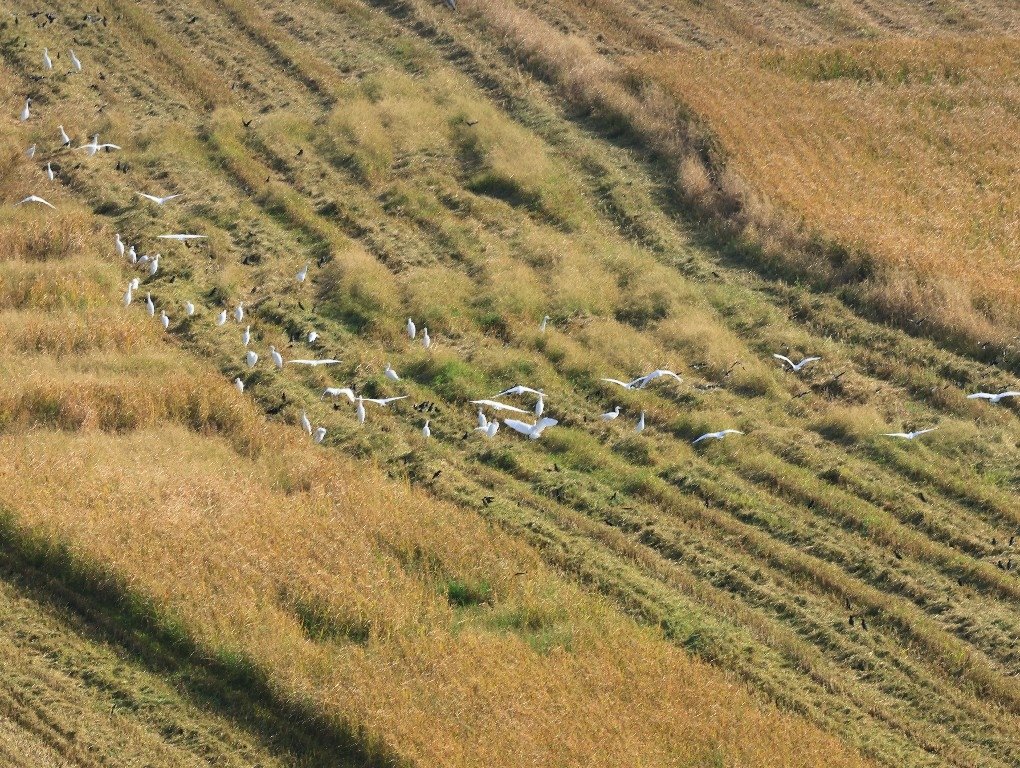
[[487, 426]]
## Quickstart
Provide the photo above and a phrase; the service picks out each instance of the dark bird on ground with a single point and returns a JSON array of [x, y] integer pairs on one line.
[[487, 500], [246, 123], [437, 473]]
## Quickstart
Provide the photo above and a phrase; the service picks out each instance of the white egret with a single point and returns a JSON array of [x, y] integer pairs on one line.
[[49, 172], [716, 435], [611, 415], [239, 312], [483, 422], [189, 308], [35, 199], [46, 60], [635, 384], [154, 266], [119, 244], [221, 318], [539, 405], [520, 389], [239, 385], [383, 400], [991, 397], [425, 339], [30, 152], [657, 374], [159, 200], [314, 363], [533, 431], [135, 282], [640, 423], [545, 322], [277, 357], [181, 237], [128, 295], [391, 374], [303, 273], [27, 111], [94, 146], [75, 61], [246, 336], [251, 357], [909, 435], [149, 306], [360, 410], [163, 319], [132, 255], [795, 367], [65, 140], [337, 391], [306, 425], [426, 431], [489, 429], [312, 336], [496, 406], [319, 436], [411, 330]]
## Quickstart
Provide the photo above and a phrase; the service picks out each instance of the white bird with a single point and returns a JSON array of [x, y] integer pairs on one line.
[[306, 425], [717, 435], [119, 244], [49, 172], [303, 273], [498, 406], [128, 295], [65, 140], [154, 266], [425, 340], [425, 430], [539, 405], [94, 146], [239, 385], [319, 436], [314, 363], [533, 431], [640, 423], [221, 318], [135, 282], [795, 367], [158, 200], [360, 410], [657, 374], [27, 111], [520, 389], [132, 255], [251, 357], [909, 435], [277, 357], [149, 306], [337, 391], [30, 152], [239, 312], [312, 336], [489, 429], [35, 199], [391, 374], [46, 60], [411, 330], [483, 422], [246, 336], [635, 384], [181, 237], [75, 61], [189, 308], [382, 400], [164, 319], [611, 415], [545, 321], [992, 398]]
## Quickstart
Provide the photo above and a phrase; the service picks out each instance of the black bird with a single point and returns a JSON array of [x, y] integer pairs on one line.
[[897, 555], [437, 473], [267, 179], [846, 602], [851, 620], [193, 19], [487, 500], [300, 152], [994, 542], [1011, 540], [520, 573], [101, 75], [864, 624], [246, 123], [959, 581]]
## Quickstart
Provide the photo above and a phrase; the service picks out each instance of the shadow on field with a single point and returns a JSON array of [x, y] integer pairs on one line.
[[96, 604]]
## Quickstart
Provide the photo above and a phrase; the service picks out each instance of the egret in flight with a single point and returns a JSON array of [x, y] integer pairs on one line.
[[795, 367], [181, 237], [520, 389], [909, 435], [635, 384], [496, 406], [533, 431], [657, 374], [717, 435], [314, 363], [35, 199], [94, 146], [159, 200], [992, 398], [337, 391]]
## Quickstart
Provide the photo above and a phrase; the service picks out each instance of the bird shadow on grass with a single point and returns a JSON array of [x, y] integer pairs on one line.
[[95, 603]]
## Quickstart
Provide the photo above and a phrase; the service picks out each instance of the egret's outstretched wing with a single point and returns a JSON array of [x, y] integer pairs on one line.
[[496, 406], [785, 359], [383, 400], [981, 396], [35, 199], [519, 426], [313, 363], [337, 391], [520, 389]]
